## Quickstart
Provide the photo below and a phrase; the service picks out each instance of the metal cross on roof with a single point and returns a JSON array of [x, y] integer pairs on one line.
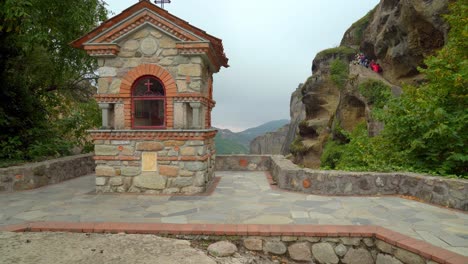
[[162, 2]]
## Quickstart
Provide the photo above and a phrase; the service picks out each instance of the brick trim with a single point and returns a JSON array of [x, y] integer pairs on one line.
[[419, 247], [158, 72]]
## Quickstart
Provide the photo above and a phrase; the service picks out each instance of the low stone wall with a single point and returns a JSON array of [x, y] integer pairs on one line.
[[452, 193], [243, 163], [35, 175], [355, 250], [279, 243]]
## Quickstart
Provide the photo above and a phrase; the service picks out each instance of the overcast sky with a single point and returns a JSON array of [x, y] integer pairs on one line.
[[270, 45]]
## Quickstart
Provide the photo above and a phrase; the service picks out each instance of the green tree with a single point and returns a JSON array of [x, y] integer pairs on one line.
[[428, 124], [45, 83]]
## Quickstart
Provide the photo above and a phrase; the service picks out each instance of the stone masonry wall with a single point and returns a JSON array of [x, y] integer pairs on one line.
[[150, 46], [350, 250], [183, 166], [447, 192], [35, 175], [243, 163]]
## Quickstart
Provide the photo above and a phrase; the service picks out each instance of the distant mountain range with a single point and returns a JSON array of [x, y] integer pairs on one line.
[[228, 142]]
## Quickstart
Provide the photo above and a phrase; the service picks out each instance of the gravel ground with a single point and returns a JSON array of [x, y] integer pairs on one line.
[[73, 248]]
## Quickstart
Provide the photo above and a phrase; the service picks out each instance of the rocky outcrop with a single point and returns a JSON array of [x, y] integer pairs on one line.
[[269, 143], [398, 35], [297, 114]]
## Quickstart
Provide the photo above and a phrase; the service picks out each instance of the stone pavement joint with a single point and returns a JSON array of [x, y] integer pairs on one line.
[[419, 247]]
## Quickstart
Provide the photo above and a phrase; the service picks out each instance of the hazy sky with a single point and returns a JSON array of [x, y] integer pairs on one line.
[[270, 45]]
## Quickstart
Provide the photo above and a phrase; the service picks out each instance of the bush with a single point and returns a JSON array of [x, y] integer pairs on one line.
[[339, 72], [376, 92]]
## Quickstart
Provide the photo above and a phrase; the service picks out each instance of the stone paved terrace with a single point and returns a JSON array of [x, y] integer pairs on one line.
[[240, 198]]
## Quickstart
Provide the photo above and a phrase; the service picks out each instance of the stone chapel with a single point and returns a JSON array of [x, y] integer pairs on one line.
[[156, 95]]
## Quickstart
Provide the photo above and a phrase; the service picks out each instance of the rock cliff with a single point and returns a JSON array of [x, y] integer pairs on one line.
[[278, 142], [269, 143], [397, 35]]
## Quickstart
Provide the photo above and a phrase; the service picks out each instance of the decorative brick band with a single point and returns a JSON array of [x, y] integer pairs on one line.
[[151, 135], [418, 247]]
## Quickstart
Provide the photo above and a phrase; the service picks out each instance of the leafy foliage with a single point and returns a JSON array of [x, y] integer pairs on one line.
[[45, 104], [339, 72], [376, 92]]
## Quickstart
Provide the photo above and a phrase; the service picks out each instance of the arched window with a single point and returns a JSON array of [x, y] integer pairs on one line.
[[148, 103]]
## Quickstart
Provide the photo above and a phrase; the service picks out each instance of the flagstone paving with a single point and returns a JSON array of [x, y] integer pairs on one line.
[[240, 198]]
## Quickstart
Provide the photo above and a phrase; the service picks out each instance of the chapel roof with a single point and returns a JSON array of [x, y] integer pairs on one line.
[[181, 25]]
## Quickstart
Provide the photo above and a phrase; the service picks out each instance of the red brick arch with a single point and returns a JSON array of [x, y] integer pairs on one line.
[[158, 72]]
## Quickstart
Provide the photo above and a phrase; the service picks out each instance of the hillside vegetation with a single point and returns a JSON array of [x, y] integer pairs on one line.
[[426, 127]]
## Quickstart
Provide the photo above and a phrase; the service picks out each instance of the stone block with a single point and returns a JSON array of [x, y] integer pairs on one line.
[[186, 173], [173, 143], [119, 116], [101, 181], [192, 190], [150, 181], [120, 142], [190, 70], [387, 259], [358, 256], [188, 151], [167, 43], [341, 250], [115, 86], [288, 238], [171, 191], [408, 257], [107, 71], [275, 247], [103, 170], [351, 241], [114, 62], [222, 249], [199, 180], [170, 171], [149, 161], [103, 85], [182, 86], [140, 34], [170, 52], [368, 242], [384, 247], [127, 54], [253, 244], [130, 171], [149, 146], [132, 62], [195, 166], [196, 60], [195, 143], [181, 182], [300, 251], [105, 150], [116, 181], [127, 151], [131, 45], [166, 61], [324, 253]]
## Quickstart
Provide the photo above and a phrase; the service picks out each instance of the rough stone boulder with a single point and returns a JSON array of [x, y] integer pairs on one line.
[[222, 249]]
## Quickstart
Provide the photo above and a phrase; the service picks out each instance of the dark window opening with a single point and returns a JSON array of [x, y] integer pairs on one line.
[[149, 103]]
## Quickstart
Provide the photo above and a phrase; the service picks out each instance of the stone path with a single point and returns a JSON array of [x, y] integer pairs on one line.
[[240, 198]]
